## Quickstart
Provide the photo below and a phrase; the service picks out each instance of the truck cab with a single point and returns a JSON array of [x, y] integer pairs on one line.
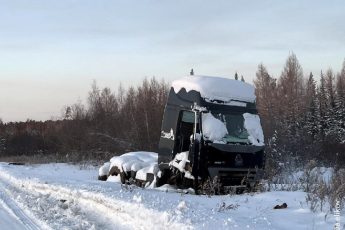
[[215, 122]]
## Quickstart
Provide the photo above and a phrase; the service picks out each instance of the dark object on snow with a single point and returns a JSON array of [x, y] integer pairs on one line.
[[224, 207], [284, 205], [62, 200], [16, 163], [103, 178], [192, 72]]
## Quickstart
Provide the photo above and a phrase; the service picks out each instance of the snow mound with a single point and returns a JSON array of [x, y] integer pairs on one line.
[[180, 161], [104, 169], [142, 173], [133, 161], [213, 129], [216, 88], [254, 129], [115, 179]]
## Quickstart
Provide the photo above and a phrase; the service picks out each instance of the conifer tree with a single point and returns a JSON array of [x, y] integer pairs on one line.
[[330, 115], [330, 88], [312, 118], [322, 107], [340, 105]]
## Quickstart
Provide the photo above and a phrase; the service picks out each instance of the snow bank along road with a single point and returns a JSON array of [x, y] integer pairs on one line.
[[61, 196]]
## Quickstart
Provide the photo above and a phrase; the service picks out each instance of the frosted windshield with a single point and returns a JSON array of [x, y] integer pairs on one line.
[[235, 126]]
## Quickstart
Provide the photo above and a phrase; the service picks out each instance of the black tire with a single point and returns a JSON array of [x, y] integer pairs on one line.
[[103, 178], [123, 177], [165, 178]]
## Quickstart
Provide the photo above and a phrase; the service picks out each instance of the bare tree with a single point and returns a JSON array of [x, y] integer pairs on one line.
[[291, 93], [265, 90]]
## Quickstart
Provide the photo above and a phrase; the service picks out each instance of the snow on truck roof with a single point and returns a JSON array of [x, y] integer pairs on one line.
[[216, 88]]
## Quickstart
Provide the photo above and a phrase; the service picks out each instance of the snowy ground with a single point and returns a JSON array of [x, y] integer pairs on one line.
[[61, 196]]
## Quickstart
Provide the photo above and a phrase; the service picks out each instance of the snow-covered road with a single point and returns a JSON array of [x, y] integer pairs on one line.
[[12, 216], [8, 218], [61, 196]]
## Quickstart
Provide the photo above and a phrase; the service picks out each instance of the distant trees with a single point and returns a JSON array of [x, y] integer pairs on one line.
[[2, 138], [305, 119], [132, 116], [111, 121]]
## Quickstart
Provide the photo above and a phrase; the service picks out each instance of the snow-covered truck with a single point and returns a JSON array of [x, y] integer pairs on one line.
[[210, 133]]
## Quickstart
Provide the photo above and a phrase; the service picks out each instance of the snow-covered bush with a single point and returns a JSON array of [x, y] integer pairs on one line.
[[327, 193]]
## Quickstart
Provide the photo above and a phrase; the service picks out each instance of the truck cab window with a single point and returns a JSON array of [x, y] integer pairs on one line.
[[185, 128]]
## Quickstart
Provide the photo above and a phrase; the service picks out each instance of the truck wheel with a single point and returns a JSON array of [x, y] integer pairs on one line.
[[163, 179], [123, 177], [103, 178]]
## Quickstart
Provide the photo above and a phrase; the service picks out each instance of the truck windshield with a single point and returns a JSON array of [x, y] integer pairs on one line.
[[235, 126]]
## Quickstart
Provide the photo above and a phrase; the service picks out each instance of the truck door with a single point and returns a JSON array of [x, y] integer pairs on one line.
[[184, 131]]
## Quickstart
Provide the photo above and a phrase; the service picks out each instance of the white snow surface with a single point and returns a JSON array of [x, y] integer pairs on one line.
[[63, 196], [254, 129], [133, 161], [216, 88], [213, 129]]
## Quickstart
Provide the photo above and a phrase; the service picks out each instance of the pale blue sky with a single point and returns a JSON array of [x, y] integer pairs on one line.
[[51, 50]]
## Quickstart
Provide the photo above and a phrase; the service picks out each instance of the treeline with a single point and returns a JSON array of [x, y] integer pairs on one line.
[[112, 121], [303, 119]]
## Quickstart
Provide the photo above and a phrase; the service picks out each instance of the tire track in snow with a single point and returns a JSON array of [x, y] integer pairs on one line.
[[18, 213], [109, 212], [122, 214], [51, 212]]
